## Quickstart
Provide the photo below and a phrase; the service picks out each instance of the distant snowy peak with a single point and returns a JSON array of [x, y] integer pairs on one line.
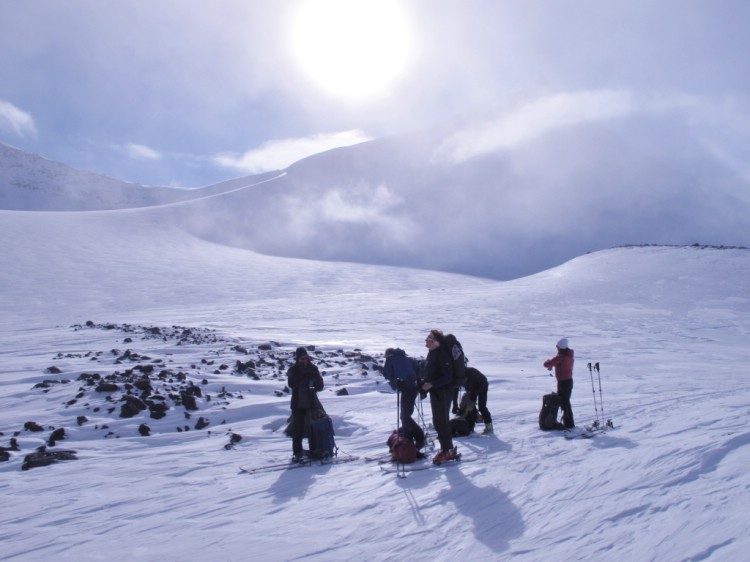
[[29, 182]]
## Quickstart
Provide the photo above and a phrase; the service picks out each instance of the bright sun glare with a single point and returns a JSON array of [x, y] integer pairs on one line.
[[352, 49]]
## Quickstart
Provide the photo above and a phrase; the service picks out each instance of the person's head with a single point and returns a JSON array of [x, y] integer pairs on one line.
[[562, 346], [434, 339], [389, 352], [301, 355]]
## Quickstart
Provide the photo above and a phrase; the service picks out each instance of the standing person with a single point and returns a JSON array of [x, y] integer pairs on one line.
[[476, 387], [438, 380], [304, 380], [401, 374], [563, 364]]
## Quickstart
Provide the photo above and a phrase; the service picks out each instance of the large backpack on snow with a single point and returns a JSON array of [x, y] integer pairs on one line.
[[459, 360], [548, 414], [320, 436], [463, 424], [402, 448]]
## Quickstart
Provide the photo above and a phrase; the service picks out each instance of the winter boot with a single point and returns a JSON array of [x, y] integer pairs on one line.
[[444, 456], [488, 430]]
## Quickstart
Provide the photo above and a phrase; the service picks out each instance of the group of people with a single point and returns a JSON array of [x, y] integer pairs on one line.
[[411, 378]]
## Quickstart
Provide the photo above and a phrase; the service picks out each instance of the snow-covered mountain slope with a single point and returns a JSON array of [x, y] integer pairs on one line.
[[443, 200], [668, 326]]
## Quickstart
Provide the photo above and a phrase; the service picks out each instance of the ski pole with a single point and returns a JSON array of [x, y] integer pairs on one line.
[[599, 376], [593, 391], [399, 466], [601, 400]]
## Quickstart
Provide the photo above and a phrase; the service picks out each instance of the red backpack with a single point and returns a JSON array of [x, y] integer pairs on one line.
[[402, 448]]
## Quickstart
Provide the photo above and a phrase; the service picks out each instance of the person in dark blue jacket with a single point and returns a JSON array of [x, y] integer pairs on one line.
[[401, 373]]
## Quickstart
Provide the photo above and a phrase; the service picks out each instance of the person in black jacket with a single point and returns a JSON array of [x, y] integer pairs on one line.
[[438, 380], [476, 386], [304, 380]]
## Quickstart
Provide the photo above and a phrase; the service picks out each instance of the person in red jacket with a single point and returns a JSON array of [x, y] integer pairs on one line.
[[563, 364]]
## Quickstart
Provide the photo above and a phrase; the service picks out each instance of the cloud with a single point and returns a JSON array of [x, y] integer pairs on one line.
[[280, 154], [16, 120], [533, 120], [141, 152]]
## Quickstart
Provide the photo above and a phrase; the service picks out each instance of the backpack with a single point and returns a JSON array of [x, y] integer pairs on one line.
[[463, 424], [402, 448], [400, 371], [319, 431], [460, 427], [459, 360], [548, 413]]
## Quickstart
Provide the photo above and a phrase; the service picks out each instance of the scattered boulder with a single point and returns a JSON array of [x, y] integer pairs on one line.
[[55, 436], [42, 457], [132, 406], [32, 426]]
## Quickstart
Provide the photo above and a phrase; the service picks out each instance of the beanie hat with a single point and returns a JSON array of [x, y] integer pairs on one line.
[[563, 343], [301, 352]]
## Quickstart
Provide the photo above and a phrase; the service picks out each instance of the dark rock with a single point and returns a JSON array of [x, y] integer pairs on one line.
[[55, 436], [45, 458], [32, 426], [132, 407]]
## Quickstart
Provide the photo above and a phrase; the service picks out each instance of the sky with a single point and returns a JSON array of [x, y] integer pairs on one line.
[[183, 93], [667, 325]]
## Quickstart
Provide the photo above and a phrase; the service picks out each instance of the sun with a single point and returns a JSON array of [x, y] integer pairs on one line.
[[352, 49]]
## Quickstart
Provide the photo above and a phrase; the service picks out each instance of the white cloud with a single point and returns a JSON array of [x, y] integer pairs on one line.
[[16, 120], [142, 152], [533, 120], [280, 154]]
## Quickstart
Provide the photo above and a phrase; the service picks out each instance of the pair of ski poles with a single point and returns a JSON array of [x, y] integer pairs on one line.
[[597, 423]]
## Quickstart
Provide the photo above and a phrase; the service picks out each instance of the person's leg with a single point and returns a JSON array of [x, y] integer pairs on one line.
[[440, 401], [298, 430], [412, 429], [482, 406], [565, 390]]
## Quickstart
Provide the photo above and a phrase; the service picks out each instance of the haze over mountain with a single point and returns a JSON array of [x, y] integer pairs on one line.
[[482, 196]]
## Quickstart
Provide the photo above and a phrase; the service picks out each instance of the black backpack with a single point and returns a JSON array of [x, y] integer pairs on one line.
[[459, 360], [548, 413], [463, 424]]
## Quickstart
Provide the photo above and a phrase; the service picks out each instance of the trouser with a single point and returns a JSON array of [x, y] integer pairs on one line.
[[410, 427], [564, 391], [298, 429], [480, 399], [440, 401]]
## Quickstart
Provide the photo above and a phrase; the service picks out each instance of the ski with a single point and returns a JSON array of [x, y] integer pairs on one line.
[[290, 465], [423, 465], [380, 459], [579, 433]]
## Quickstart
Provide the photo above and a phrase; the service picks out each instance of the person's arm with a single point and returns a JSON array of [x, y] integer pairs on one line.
[[318, 380], [291, 376]]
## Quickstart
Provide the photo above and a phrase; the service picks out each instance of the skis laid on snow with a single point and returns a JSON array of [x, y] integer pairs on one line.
[[588, 431], [424, 465], [289, 465]]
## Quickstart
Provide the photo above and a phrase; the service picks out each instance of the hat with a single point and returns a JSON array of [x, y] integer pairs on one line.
[[390, 351], [563, 343], [301, 352]]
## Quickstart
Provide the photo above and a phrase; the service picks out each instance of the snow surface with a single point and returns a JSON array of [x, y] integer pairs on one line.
[[669, 327]]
